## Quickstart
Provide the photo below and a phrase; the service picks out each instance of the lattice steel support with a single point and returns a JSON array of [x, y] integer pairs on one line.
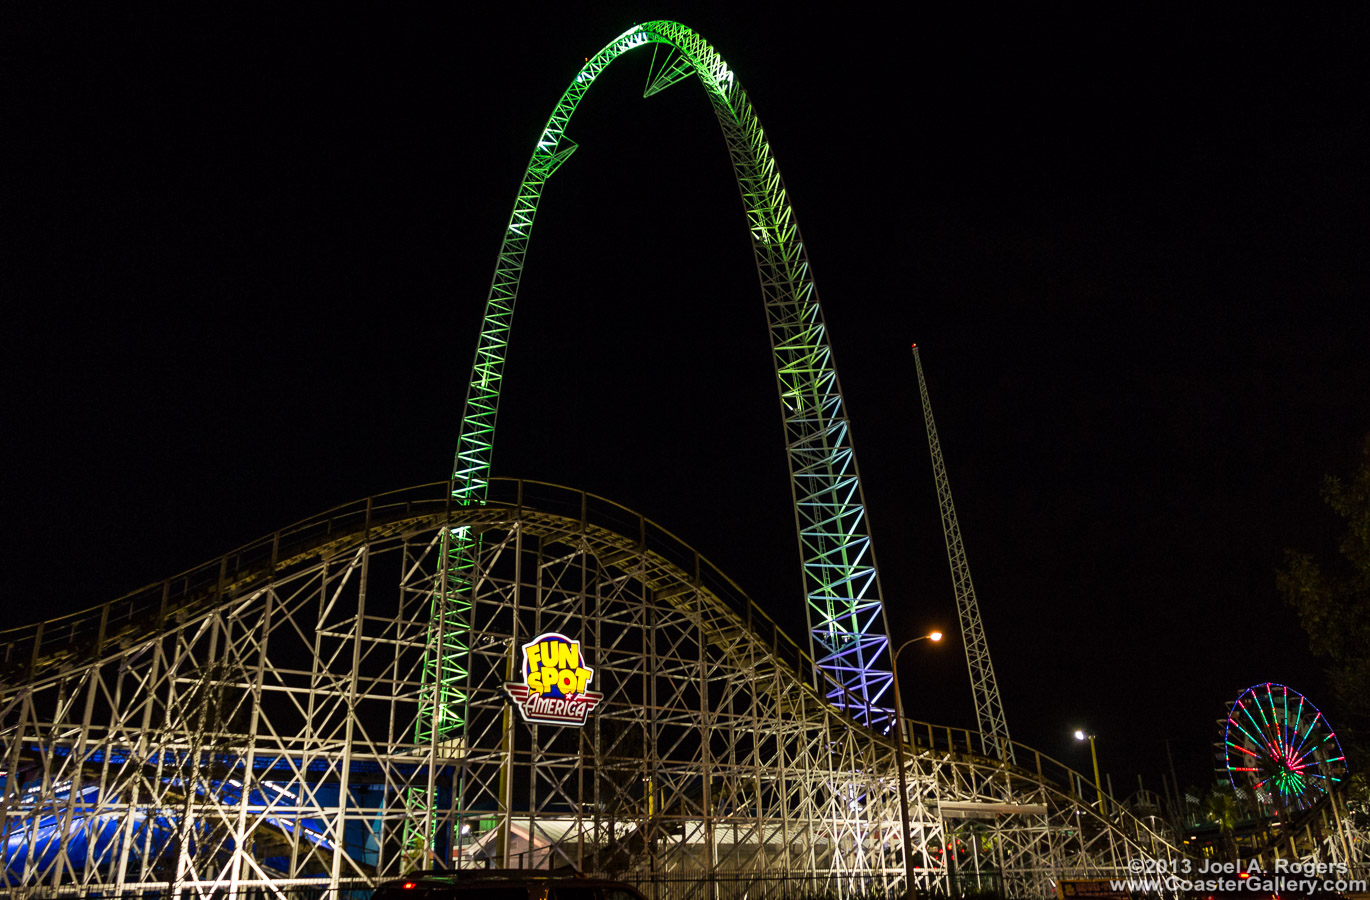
[[989, 709], [846, 618], [249, 725]]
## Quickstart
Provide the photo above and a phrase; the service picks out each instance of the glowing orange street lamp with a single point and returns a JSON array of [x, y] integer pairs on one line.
[[1098, 788], [933, 636]]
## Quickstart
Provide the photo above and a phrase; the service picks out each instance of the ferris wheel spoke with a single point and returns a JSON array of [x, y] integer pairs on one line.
[[1262, 727], [1284, 722], [1255, 740], [1263, 724], [1298, 716], [1305, 755], [1304, 740], [1283, 750]]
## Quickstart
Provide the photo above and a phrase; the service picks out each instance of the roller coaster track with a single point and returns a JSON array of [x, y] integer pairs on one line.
[[326, 706], [847, 630], [249, 723]]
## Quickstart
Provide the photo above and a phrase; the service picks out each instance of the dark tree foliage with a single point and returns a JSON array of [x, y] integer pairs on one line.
[[1334, 607]]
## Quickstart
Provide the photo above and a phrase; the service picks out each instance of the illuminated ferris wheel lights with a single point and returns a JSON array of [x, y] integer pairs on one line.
[[1294, 759]]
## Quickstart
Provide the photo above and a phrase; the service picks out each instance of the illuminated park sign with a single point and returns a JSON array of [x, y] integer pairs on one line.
[[554, 690]]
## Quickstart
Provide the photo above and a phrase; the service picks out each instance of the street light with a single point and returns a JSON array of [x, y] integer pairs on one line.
[[933, 636], [1098, 788]]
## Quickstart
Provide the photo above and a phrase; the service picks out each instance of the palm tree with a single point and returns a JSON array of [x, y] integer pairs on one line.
[[1220, 808]]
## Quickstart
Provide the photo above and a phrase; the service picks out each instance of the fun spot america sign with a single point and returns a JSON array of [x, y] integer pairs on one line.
[[554, 689]]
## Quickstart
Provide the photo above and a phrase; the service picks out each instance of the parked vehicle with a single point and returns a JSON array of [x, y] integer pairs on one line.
[[503, 884]]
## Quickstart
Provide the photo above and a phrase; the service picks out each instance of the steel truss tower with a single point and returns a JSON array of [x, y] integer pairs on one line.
[[313, 709], [848, 635], [989, 709], [249, 725]]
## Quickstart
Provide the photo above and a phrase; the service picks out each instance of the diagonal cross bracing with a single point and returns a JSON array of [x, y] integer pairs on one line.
[[989, 709], [248, 726], [841, 590]]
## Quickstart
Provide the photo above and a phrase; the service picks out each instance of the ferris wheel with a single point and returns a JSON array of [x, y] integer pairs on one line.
[[1281, 748]]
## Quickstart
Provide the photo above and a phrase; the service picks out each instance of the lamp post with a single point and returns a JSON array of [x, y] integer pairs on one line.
[[933, 636], [1098, 787]]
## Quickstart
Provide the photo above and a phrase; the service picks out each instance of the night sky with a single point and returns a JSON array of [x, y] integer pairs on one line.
[[249, 254]]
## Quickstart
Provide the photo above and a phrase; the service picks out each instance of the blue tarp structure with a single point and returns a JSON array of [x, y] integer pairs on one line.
[[93, 839], [34, 832]]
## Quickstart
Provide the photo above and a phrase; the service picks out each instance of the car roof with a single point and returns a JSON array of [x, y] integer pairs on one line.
[[435, 878]]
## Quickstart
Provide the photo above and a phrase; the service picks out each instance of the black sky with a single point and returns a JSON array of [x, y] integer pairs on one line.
[[249, 252]]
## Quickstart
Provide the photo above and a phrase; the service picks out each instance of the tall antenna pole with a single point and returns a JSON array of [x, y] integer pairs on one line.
[[989, 709]]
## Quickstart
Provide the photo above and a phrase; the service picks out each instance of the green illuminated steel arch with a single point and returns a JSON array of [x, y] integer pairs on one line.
[[846, 618]]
